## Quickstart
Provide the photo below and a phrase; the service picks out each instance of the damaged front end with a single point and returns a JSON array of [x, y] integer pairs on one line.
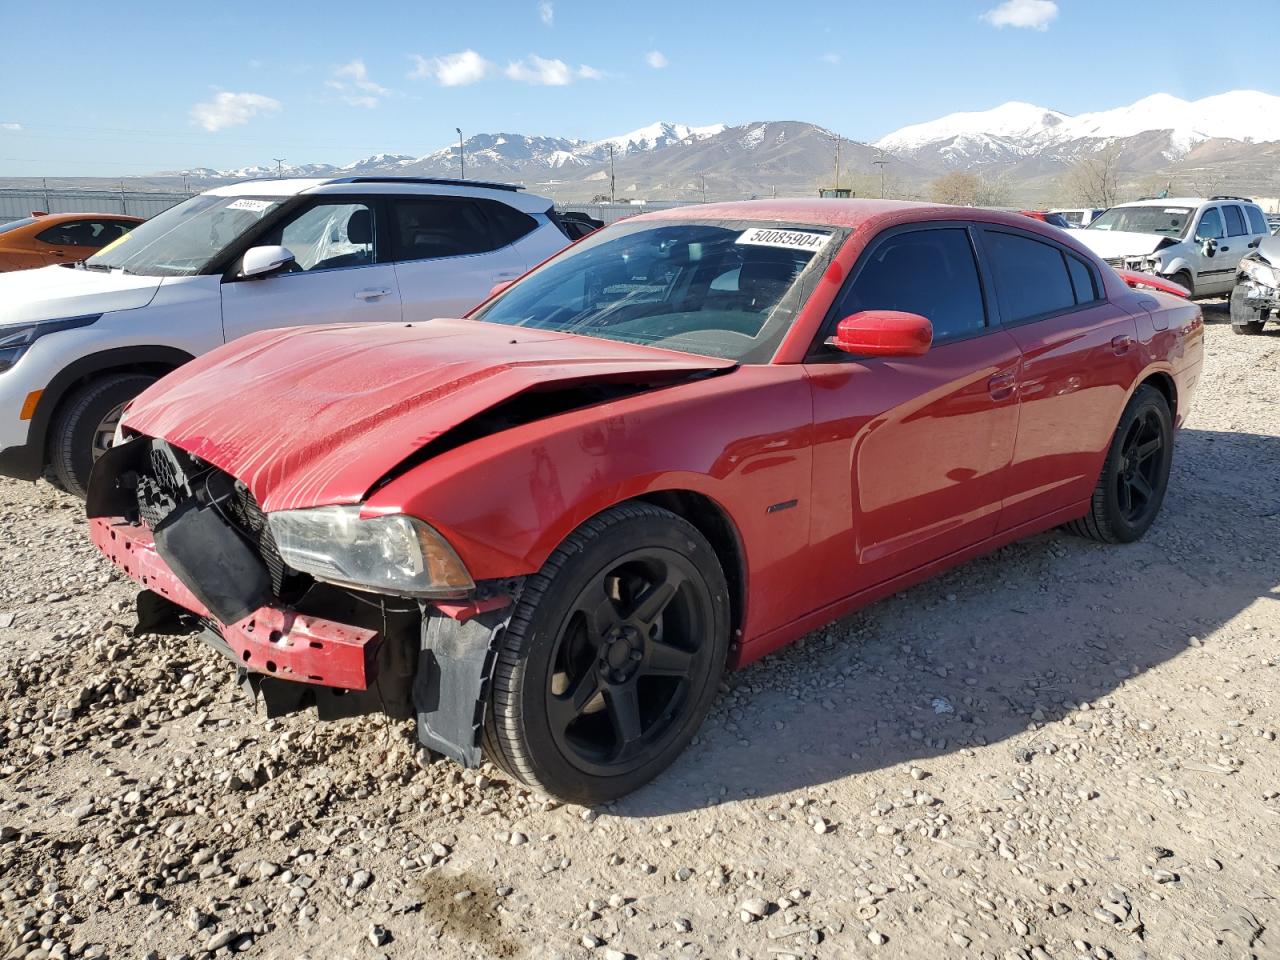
[[1256, 297], [315, 607]]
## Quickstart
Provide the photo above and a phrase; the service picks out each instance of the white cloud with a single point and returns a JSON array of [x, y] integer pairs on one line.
[[546, 12], [1030, 14], [453, 69], [830, 58], [232, 109], [656, 59], [352, 82], [549, 73], [11, 127]]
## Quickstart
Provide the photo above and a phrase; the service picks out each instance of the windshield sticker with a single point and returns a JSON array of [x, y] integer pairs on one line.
[[1176, 210], [257, 206], [787, 239]]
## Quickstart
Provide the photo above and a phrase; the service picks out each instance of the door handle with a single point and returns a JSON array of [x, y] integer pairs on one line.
[[1121, 344], [372, 293], [1002, 385], [1224, 249], [506, 275]]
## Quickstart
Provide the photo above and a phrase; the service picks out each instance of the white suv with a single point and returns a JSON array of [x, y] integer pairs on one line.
[[1194, 242], [77, 342]]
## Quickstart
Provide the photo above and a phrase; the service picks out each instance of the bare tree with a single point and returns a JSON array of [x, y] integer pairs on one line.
[[1094, 180], [969, 190]]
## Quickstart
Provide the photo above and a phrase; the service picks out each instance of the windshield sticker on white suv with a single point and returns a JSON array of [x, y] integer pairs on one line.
[[787, 239], [1176, 210], [257, 206]]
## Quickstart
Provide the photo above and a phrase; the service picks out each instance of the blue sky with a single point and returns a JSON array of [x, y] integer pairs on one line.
[[120, 89]]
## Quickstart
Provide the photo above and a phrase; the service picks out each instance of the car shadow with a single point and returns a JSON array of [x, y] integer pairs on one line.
[[971, 657]]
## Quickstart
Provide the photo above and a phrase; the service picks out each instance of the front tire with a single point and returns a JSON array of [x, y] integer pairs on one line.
[[612, 657], [1245, 321], [84, 425], [1135, 474], [1183, 278]]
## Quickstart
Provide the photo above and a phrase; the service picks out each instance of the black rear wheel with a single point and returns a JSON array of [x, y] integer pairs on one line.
[[1135, 474], [612, 657]]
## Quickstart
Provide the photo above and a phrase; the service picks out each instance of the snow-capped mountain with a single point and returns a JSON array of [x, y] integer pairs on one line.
[[506, 153], [1015, 130]]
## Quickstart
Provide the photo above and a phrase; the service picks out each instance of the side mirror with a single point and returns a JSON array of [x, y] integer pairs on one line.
[[883, 333], [1209, 247], [498, 287], [264, 261]]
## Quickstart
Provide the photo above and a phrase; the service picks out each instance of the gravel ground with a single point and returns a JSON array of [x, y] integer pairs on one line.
[[1063, 750]]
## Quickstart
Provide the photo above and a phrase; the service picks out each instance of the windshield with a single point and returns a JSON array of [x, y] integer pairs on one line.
[[16, 224], [184, 239], [725, 289], [1165, 221]]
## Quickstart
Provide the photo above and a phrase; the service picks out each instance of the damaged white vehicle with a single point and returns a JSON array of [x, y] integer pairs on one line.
[[1196, 243], [1256, 296]]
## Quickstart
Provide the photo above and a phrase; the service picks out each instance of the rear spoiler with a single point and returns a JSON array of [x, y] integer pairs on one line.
[[1151, 282]]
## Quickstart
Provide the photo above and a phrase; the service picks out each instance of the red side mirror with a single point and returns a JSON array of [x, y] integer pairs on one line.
[[499, 287], [883, 333]]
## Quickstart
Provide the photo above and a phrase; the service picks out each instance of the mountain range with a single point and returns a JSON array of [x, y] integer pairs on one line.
[[1227, 142]]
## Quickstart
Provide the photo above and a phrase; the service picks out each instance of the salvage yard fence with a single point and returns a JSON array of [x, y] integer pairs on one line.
[[18, 203]]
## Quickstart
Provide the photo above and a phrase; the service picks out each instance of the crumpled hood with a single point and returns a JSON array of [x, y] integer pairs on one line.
[[1269, 250], [1121, 243], [52, 293], [317, 415]]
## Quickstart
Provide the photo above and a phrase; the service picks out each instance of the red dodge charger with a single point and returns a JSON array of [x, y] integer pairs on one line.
[[545, 530]]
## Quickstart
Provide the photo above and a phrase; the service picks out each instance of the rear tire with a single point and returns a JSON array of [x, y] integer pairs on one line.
[[1135, 474], [83, 426], [612, 657]]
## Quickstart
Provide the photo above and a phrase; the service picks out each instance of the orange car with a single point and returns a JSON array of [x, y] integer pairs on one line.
[[45, 238]]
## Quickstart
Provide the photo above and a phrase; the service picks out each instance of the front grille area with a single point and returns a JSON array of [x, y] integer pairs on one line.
[[1116, 262], [171, 477]]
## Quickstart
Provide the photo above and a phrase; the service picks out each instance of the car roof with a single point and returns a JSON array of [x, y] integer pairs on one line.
[[1178, 201], [837, 213], [507, 193], [62, 217]]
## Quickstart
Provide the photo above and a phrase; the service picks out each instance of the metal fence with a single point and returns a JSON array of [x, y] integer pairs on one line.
[[15, 204]]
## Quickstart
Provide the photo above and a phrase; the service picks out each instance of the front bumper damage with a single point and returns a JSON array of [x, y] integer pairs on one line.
[[343, 652]]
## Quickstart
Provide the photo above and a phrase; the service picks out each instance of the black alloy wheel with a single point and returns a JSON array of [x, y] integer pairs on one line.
[[1139, 476]]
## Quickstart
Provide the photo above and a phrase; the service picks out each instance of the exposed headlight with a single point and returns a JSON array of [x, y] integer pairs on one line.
[[391, 554], [1263, 273], [15, 339]]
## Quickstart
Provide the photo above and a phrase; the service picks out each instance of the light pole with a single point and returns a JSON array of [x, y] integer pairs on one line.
[[881, 161], [462, 160], [838, 141], [279, 166], [612, 183]]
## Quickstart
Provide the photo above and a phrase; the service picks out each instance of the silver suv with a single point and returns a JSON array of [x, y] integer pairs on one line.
[[1194, 242]]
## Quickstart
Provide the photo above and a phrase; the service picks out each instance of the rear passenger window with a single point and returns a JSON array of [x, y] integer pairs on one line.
[[430, 228], [1235, 221], [1257, 222], [929, 272], [1082, 280], [1031, 276]]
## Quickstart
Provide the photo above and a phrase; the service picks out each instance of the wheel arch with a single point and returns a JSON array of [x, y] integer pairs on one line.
[[712, 520], [1164, 382], [156, 360]]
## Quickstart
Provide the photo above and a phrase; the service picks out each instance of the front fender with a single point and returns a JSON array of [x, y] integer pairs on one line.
[[742, 440]]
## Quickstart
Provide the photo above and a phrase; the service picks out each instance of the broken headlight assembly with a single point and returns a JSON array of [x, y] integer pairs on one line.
[[392, 554], [16, 338], [1261, 273]]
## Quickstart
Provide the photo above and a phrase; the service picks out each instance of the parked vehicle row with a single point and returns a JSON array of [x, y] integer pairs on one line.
[[78, 342], [546, 530]]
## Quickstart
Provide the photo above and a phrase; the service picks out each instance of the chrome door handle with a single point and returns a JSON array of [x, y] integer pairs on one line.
[[1002, 385], [372, 293]]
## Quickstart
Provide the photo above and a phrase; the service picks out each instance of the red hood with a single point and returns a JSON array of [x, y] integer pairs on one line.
[[313, 416]]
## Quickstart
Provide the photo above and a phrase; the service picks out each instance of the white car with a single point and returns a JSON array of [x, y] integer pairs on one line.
[[1194, 242], [1078, 217], [78, 342]]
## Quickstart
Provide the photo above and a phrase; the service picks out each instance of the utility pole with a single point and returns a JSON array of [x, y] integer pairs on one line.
[[462, 160], [881, 161], [612, 182], [839, 139], [704, 187], [279, 166]]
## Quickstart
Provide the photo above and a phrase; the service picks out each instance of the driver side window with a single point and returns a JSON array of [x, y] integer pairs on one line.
[[1210, 225], [330, 236]]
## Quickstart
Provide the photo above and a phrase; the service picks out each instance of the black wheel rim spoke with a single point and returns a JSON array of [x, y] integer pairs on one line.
[[627, 656], [1141, 466]]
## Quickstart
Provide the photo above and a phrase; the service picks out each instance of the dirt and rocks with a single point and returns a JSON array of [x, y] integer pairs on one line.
[[1063, 750]]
